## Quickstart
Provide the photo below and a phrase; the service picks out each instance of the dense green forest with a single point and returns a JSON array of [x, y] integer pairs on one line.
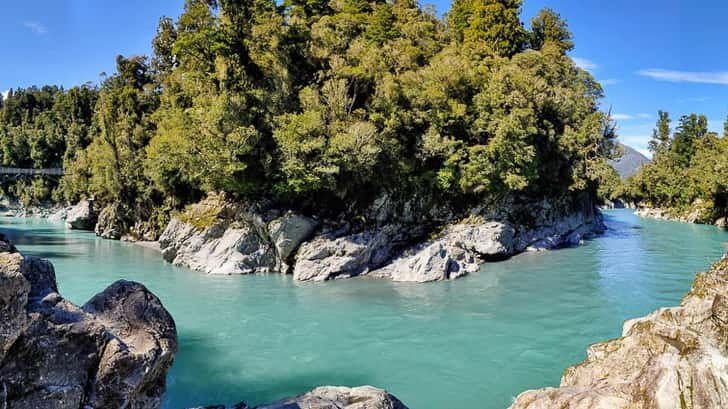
[[689, 171], [317, 103]]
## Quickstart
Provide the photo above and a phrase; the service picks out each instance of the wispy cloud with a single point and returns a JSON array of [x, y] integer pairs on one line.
[[36, 28], [585, 64], [716, 77], [610, 81], [693, 99], [5, 94], [627, 117], [622, 117]]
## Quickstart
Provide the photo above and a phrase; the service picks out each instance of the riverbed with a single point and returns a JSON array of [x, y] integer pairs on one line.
[[471, 343]]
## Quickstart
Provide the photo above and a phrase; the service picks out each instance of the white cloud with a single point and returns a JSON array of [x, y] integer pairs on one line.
[[36, 28], [5, 94], [644, 116], [584, 64], [717, 77], [610, 81], [622, 117], [693, 99]]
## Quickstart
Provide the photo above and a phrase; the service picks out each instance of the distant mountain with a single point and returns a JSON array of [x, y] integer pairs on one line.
[[629, 163]]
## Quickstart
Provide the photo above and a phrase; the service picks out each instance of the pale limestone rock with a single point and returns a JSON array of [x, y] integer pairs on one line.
[[82, 216], [222, 248], [674, 358], [288, 232], [325, 258]]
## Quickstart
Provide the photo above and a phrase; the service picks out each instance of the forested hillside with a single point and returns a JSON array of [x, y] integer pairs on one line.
[[689, 171], [322, 105]]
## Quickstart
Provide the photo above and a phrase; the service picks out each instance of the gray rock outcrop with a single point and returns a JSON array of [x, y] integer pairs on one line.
[[219, 237], [82, 216], [673, 358], [722, 223], [331, 397], [234, 239], [327, 257], [460, 250], [223, 248], [288, 232], [109, 224], [59, 215], [113, 352]]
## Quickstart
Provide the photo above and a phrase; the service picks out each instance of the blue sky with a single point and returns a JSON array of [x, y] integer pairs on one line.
[[648, 54]]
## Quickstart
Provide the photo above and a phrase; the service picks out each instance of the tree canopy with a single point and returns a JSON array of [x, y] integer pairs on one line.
[[307, 102]]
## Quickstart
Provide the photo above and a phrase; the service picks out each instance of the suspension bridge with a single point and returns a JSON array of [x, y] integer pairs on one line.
[[31, 171]]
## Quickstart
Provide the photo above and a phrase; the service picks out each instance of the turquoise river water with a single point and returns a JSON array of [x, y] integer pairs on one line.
[[472, 343]]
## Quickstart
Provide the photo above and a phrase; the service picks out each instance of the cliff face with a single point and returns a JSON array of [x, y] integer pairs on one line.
[[220, 237], [673, 358], [113, 352]]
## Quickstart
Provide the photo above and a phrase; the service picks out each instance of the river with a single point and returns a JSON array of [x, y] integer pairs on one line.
[[471, 343]]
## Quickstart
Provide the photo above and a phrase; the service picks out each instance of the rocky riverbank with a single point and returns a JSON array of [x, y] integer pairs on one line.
[[694, 216], [13, 208], [220, 237], [112, 352], [673, 358], [416, 241]]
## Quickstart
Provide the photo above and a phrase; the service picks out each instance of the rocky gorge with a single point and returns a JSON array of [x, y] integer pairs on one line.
[[673, 358], [415, 241], [219, 237], [112, 352], [696, 215]]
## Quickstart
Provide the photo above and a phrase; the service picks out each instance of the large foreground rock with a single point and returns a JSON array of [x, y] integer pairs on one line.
[[331, 397], [82, 216], [114, 352], [674, 358]]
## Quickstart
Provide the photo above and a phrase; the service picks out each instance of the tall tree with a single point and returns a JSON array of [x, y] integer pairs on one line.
[[691, 128], [549, 28], [660, 141]]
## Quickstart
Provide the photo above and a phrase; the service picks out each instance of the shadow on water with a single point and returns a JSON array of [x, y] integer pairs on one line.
[[51, 255], [232, 384]]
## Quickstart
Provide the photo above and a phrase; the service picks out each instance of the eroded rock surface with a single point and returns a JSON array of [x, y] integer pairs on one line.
[[220, 237], [327, 257], [331, 397], [109, 224], [82, 216], [673, 358], [216, 236], [113, 352]]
